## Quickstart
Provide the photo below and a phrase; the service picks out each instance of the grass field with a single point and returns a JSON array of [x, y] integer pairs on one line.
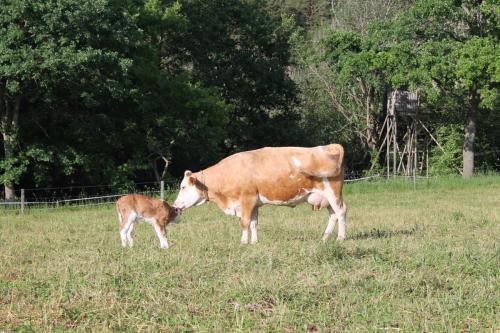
[[414, 261]]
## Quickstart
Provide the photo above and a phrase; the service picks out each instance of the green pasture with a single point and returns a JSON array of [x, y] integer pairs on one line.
[[414, 261]]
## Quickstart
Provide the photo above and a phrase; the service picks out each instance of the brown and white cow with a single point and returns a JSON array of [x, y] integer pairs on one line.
[[156, 212], [288, 176]]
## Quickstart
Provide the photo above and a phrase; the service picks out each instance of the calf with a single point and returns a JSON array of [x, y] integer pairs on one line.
[[158, 213]]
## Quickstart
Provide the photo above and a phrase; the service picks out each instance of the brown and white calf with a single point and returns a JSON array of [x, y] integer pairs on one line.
[[156, 212], [241, 183]]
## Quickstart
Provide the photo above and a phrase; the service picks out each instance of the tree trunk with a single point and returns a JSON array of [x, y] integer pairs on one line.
[[8, 153], [371, 137], [470, 135], [9, 125]]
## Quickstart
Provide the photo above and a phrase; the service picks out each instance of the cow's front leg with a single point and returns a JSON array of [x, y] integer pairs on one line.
[[253, 225], [244, 223], [247, 209]]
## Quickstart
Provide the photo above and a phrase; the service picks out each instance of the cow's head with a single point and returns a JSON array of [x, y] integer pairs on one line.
[[192, 192]]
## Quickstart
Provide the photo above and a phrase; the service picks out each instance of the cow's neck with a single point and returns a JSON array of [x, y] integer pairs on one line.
[[208, 178]]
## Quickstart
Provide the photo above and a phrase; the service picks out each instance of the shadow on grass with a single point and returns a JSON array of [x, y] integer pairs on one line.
[[379, 233]]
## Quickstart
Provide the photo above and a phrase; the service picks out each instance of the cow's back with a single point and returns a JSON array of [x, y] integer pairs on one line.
[[277, 173]]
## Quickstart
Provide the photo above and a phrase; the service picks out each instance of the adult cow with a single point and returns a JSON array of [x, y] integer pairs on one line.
[[287, 176]]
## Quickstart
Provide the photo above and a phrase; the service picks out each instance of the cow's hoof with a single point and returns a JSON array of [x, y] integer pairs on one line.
[[340, 238], [253, 242], [244, 242]]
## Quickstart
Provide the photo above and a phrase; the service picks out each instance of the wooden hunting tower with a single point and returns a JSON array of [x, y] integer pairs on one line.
[[406, 154]]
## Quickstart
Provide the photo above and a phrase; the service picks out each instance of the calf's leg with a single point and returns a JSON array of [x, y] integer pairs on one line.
[[130, 234], [161, 233], [127, 219]]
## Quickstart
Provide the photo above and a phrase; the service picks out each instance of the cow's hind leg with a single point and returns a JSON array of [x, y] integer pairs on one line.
[[332, 220], [342, 221], [338, 206]]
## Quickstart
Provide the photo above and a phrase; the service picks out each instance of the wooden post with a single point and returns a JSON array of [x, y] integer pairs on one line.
[[162, 190], [415, 172], [395, 142], [427, 162], [22, 201], [388, 147]]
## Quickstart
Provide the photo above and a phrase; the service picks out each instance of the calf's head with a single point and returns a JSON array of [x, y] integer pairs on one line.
[[174, 215], [192, 192]]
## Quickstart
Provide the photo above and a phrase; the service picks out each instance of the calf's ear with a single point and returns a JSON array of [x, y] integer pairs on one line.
[[187, 173]]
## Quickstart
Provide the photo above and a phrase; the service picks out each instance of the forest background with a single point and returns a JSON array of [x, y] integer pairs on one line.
[[106, 91]]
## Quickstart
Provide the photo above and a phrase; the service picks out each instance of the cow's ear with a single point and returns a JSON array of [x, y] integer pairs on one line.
[[192, 180], [187, 173]]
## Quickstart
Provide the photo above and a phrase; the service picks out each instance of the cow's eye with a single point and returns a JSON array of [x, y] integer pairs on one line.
[[183, 187]]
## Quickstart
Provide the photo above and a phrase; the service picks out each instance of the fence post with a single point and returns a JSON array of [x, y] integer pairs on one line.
[[415, 172], [22, 201], [162, 190]]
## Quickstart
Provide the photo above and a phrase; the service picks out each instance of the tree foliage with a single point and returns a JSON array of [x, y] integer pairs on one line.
[[106, 91]]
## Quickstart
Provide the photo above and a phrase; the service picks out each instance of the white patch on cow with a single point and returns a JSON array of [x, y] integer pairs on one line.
[[296, 162], [233, 208], [298, 199], [188, 196]]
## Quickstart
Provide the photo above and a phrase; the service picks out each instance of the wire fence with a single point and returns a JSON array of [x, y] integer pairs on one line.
[[58, 197]]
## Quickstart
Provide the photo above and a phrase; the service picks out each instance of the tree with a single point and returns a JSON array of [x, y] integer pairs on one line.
[[48, 44], [241, 50], [478, 75], [448, 49]]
